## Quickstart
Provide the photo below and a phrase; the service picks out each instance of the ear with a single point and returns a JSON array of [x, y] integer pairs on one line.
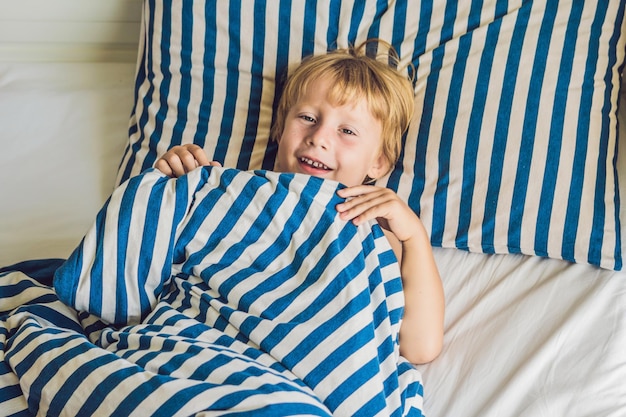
[[380, 167]]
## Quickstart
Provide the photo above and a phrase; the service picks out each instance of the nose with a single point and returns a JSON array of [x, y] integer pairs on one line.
[[320, 136]]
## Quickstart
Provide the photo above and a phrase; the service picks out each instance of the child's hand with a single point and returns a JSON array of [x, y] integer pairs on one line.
[[181, 159], [366, 202]]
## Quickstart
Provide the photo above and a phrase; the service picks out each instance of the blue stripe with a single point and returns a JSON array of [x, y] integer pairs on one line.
[[256, 87], [502, 128], [452, 107], [291, 227], [325, 330], [374, 405], [374, 24], [51, 313], [10, 392], [308, 34], [164, 90], [311, 278], [15, 290], [390, 385], [616, 201], [204, 208], [232, 79], [90, 329], [426, 118], [108, 384], [325, 334], [358, 8], [600, 210], [149, 237], [134, 398], [123, 236], [222, 229], [78, 376], [13, 345], [398, 33], [186, 48], [283, 409], [148, 241], [255, 232], [332, 32], [529, 130], [282, 64], [96, 271], [474, 128], [52, 367], [41, 270], [276, 280], [208, 78], [582, 136], [398, 36], [230, 401], [555, 143]]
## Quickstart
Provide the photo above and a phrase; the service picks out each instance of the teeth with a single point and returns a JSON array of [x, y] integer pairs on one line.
[[314, 164]]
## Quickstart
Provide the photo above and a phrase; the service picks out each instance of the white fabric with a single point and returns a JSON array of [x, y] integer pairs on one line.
[[528, 336]]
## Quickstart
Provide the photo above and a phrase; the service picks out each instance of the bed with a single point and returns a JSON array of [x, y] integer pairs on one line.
[[511, 161]]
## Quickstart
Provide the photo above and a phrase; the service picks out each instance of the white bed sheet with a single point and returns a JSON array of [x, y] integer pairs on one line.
[[63, 127], [524, 335], [528, 336]]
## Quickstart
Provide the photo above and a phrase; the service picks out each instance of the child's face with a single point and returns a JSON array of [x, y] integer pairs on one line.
[[341, 143]]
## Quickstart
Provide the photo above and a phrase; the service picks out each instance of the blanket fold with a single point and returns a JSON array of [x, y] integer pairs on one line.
[[222, 290]]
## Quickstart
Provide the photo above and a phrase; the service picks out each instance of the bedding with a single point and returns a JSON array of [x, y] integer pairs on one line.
[[523, 334], [528, 336], [259, 298]]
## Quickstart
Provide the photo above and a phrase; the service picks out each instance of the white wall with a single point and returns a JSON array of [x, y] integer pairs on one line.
[[66, 93], [69, 30]]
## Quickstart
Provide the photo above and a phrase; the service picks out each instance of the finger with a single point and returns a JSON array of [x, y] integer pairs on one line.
[[177, 166], [358, 217], [201, 157], [164, 167], [186, 162], [361, 212], [363, 201], [356, 190], [369, 206]]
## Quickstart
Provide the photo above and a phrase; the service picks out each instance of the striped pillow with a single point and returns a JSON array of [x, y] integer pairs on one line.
[[512, 148]]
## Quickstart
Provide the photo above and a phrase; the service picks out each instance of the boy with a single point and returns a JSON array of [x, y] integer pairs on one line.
[[341, 116]]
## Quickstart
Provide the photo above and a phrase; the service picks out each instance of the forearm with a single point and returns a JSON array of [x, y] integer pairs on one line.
[[421, 333]]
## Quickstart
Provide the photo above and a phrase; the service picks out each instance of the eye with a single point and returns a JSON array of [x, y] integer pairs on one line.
[[307, 118], [347, 131]]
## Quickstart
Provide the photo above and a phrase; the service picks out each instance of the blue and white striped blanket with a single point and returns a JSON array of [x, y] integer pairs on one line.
[[224, 292]]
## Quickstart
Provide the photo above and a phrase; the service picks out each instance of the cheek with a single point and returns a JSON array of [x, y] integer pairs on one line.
[[282, 161]]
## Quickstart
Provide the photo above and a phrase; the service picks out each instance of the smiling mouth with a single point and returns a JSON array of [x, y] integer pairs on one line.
[[314, 164]]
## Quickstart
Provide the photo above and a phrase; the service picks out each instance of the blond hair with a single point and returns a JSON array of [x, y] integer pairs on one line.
[[355, 75]]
